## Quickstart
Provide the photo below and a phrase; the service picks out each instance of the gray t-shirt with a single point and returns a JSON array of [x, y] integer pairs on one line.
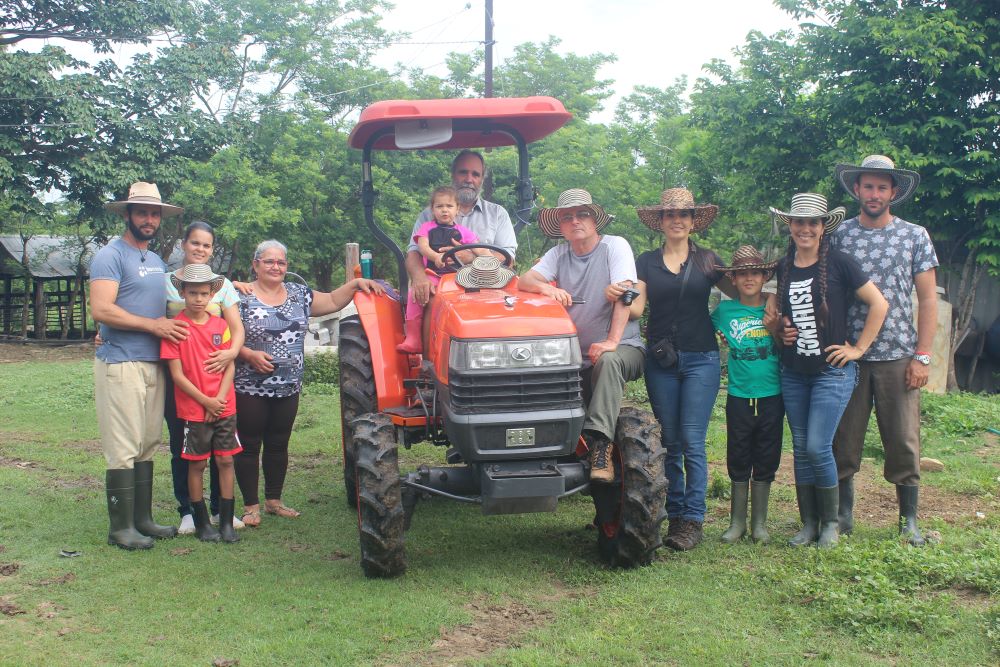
[[142, 291], [488, 221], [891, 256], [586, 277]]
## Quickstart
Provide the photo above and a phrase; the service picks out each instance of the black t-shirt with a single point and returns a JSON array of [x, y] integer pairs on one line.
[[800, 302], [695, 332]]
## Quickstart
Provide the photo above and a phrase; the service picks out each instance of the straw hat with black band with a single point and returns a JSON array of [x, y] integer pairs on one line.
[[548, 218], [678, 199], [806, 205], [147, 194], [906, 181]]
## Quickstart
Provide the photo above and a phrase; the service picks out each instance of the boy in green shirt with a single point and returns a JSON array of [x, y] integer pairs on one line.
[[754, 410]]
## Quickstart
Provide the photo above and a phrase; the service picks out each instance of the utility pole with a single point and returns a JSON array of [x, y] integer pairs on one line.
[[489, 48]]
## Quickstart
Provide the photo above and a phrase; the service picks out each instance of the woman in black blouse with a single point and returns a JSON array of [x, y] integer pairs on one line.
[[676, 279]]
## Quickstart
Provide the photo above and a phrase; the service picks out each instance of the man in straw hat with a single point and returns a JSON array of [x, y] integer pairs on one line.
[[611, 347], [127, 297], [899, 256]]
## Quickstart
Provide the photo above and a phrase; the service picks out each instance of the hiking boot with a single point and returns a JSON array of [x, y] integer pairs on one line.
[[907, 497], [845, 514], [805, 494], [675, 527], [690, 537], [827, 500], [602, 469], [760, 492], [737, 512]]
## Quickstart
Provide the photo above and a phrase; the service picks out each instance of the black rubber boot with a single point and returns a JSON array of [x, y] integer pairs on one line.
[[845, 515], [203, 528], [806, 496], [760, 493], [737, 512], [120, 486], [828, 500], [226, 529], [907, 496], [144, 503]]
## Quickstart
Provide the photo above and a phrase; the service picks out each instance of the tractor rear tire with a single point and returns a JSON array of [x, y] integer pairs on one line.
[[639, 495], [381, 518], [357, 393]]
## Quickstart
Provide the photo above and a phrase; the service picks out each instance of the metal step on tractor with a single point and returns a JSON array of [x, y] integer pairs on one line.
[[499, 385]]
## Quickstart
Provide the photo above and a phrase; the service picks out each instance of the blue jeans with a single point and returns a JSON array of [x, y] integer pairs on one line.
[[682, 399], [814, 405]]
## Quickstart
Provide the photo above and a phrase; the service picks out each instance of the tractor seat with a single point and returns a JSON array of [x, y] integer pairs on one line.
[[484, 272]]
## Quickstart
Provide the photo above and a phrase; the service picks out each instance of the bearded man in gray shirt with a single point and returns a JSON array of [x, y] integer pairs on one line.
[[899, 257]]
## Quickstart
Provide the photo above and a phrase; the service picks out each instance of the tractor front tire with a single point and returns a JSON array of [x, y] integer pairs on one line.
[[357, 393], [638, 497], [381, 519]]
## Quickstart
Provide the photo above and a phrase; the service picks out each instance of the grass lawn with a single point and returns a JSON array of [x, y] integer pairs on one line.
[[509, 590]]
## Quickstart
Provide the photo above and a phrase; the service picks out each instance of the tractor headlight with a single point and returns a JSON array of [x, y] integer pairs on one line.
[[528, 353]]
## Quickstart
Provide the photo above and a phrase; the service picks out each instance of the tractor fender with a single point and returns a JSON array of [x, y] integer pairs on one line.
[[382, 319]]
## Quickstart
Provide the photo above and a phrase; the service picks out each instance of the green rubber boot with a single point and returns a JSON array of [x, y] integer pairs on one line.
[[806, 496], [120, 486], [737, 513], [828, 501], [760, 492], [845, 514], [907, 497], [144, 504]]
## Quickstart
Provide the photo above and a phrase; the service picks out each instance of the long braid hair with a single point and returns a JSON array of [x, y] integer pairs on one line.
[[822, 310]]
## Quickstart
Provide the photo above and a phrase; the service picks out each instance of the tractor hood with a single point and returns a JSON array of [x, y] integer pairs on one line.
[[498, 313]]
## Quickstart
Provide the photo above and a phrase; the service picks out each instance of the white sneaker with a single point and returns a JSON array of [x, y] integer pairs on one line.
[[187, 525], [237, 524]]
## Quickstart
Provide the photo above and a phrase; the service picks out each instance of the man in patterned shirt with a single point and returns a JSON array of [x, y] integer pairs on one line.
[[899, 257]]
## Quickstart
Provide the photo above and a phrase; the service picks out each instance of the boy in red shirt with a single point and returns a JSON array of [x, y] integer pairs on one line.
[[205, 401]]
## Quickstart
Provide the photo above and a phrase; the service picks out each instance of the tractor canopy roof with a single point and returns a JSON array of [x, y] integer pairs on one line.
[[456, 124]]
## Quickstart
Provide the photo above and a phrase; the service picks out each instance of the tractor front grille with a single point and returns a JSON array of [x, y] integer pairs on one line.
[[514, 392]]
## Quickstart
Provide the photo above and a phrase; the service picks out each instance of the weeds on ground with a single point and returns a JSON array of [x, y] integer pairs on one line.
[[876, 588]]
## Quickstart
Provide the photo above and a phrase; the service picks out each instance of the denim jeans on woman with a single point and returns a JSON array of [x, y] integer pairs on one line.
[[682, 399], [814, 405]]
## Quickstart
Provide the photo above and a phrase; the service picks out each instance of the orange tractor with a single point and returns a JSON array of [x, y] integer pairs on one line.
[[500, 384]]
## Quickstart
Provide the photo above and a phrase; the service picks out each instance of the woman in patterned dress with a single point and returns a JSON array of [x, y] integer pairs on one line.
[[268, 378]]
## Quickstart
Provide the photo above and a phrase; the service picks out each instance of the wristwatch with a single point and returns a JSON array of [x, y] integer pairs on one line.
[[925, 359]]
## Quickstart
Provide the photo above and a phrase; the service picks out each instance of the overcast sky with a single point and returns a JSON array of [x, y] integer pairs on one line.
[[655, 40]]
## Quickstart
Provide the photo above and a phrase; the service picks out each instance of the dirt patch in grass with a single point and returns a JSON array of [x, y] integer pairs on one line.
[[83, 482], [7, 569], [23, 464], [56, 581], [493, 627], [70, 351], [89, 446], [8, 608]]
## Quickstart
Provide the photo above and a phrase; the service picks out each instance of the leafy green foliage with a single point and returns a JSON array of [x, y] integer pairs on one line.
[[321, 368]]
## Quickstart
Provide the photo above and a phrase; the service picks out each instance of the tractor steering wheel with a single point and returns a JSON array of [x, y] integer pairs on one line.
[[452, 254]]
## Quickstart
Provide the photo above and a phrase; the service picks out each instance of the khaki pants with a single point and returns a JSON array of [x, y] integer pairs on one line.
[[129, 399], [604, 387], [897, 412]]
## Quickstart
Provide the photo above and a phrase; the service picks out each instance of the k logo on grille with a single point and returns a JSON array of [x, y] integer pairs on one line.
[[520, 354]]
